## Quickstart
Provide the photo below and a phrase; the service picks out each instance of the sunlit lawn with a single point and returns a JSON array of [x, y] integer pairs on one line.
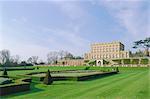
[[130, 83]]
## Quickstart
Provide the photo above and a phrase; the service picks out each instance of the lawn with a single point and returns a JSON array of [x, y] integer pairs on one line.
[[130, 83]]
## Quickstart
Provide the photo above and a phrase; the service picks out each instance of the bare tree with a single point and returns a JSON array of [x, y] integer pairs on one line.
[[33, 59], [62, 54], [52, 57], [15, 59], [4, 56], [68, 55]]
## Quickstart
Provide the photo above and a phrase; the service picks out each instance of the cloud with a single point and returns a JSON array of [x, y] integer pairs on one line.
[[72, 9], [67, 38], [131, 15], [20, 20]]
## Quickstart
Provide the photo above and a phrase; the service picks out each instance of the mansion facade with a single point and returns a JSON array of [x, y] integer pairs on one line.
[[111, 50]]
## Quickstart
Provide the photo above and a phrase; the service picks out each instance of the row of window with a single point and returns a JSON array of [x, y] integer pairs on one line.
[[107, 56]]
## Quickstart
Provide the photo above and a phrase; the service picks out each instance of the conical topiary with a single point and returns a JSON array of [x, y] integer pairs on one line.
[[48, 79], [117, 69], [5, 72]]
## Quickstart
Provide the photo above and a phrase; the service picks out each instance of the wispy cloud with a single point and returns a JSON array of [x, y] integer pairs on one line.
[[20, 20], [71, 9], [68, 39], [131, 14]]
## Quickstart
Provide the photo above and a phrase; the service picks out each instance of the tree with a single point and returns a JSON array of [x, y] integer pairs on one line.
[[5, 72], [68, 55], [61, 54], [143, 44], [117, 69], [15, 59], [4, 56], [52, 57], [33, 59], [48, 79], [78, 57]]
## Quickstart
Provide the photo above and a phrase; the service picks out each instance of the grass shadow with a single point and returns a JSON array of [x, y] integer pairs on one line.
[[97, 77]]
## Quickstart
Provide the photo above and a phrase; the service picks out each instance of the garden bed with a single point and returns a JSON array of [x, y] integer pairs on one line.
[[19, 85], [78, 75]]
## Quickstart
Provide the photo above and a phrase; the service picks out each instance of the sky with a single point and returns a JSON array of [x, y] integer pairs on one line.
[[36, 27]]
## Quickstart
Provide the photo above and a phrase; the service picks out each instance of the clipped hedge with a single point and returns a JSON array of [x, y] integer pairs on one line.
[[20, 85], [126, 61], [117, 61], [144, 61], [16, 68], [135, 61]]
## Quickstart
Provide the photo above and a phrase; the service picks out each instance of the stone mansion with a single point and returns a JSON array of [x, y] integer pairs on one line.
[[100, 52], [111, 50]]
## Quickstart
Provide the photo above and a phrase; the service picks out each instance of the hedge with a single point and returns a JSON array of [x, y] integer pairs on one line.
[[19, 86], [117, 61], [126, 61], [144, 61], [16, 68], [72, 78], [135, 61]]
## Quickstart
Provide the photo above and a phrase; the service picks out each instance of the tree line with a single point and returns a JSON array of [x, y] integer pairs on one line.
[[52, 58]]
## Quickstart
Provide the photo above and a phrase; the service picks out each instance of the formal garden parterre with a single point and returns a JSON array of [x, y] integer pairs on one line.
[[115, 86]]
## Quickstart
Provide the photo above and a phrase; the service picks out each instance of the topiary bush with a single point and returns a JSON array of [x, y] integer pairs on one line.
[[117, 69], [48, 79], [87, 68], [5, 73]]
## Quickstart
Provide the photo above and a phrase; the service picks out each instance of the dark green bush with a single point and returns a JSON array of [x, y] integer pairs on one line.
[[117, 61], [86, 61], [87, 68], [5, 72], [135, 61], [117, 69], [48, 79], [126, 61], [144, 61]]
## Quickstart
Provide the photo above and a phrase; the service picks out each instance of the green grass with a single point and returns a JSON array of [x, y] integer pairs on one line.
[[130, 83]]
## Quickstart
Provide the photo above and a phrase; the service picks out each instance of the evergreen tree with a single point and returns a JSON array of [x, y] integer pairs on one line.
[[5, 72], [117, 69], [48, 79]]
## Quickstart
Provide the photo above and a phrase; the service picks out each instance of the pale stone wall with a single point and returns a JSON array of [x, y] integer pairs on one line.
[[72, 62], [107, 51]]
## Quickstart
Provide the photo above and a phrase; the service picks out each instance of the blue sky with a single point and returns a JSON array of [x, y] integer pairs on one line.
[[36, 27]]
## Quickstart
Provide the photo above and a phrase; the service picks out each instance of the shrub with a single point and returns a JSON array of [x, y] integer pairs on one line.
[[117, 69], [48, 79], [37, 68], [86, 61], [135, 61], [117, 61], [87, 68], [5, 72], [144, 61], [126, 61]]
